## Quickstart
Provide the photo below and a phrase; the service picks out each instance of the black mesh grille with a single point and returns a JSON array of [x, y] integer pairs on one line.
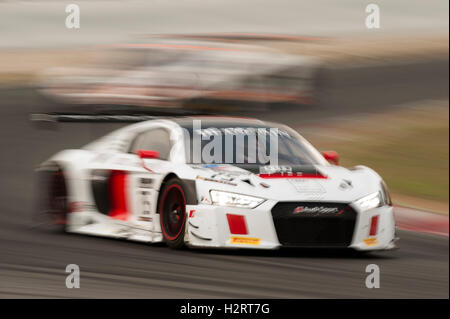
[[311, 224]]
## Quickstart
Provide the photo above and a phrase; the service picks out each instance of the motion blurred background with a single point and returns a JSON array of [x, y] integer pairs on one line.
[[379, 97]]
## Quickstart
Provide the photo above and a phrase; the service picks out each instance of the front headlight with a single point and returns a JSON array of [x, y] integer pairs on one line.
[[386, 194], [370, 201], [234, 200]]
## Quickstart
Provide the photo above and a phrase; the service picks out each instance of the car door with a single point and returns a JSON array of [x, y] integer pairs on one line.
[[144, 185]]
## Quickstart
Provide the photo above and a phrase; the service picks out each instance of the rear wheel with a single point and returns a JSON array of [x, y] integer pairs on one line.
[[172, 213], [57, 206]]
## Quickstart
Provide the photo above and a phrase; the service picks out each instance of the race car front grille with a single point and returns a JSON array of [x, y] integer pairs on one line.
[[311, 224]]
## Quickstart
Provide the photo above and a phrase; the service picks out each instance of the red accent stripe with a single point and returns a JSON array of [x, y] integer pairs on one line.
[[374, 226], [117, 195], [292, 176], [237, 224]]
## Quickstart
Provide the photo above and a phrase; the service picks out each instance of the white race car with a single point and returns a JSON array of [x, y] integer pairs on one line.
[[196, 182]]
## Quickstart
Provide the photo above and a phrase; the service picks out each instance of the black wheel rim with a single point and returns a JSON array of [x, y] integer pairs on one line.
[[173, 212]]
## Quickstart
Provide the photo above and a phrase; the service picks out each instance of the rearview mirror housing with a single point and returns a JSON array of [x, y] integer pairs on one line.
[[147, 154], [331, 156]]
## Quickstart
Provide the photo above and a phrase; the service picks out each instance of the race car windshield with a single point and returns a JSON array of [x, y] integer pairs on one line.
[[250, 145]]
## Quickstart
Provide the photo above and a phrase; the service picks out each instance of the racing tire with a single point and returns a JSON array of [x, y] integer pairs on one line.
[[172, 213], [57, 200]]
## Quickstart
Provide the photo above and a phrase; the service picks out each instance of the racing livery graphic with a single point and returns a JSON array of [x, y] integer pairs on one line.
[[145, 182]]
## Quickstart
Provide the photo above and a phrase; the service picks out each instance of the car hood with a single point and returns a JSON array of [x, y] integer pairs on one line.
[[290, 183]]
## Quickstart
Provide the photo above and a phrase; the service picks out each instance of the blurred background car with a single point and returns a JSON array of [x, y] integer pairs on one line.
[[188, 74]]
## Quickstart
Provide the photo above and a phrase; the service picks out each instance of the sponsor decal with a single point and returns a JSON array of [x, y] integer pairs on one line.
[[207, 179], [292, 175], [244, 240], [274, 169], [146, 205], [315, 210], [226, 176], [371, 241], [146, 182]]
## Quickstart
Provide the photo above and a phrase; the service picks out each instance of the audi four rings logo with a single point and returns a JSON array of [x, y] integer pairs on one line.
[[317, 210]]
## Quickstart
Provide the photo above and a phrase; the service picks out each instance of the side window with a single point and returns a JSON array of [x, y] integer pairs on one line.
[[155, 140]]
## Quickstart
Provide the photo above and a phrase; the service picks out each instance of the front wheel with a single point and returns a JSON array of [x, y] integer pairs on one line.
[[172, 213]]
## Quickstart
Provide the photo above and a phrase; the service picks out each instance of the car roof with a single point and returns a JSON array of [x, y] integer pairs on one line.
[[187, 122], [218, 121]]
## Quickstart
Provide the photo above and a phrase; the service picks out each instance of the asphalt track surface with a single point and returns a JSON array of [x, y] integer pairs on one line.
[[33, 258]]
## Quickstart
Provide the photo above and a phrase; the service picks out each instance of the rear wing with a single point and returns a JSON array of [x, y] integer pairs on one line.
[[91, 118]]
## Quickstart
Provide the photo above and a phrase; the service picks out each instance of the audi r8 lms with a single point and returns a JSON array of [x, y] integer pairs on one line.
[[216, 182]]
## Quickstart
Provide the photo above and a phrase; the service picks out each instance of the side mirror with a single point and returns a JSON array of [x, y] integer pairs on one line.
[[331, 156], [147, 154]]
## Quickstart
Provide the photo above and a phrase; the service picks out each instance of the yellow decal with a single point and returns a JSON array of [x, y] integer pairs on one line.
[[244, 240], [371, 241]]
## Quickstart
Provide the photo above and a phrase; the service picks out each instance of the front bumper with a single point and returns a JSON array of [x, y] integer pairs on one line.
[[209, 226]]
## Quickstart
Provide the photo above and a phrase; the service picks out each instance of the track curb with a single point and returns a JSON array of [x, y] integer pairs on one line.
[[421, 221]]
